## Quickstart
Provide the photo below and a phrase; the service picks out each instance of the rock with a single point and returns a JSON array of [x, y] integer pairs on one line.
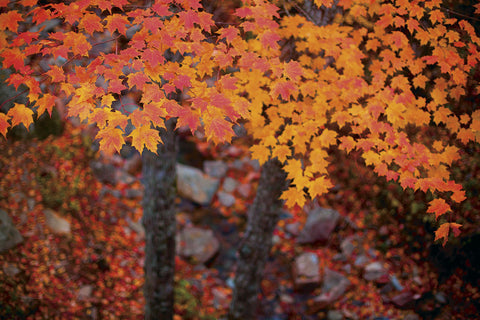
[[306, 272], [229, 184], [215, 169], [334, 287], [348, 245], [374, 271], [293, 228], [404, 300], [124, 177], [85, 292], [441, 297], [9, 235], [226, 199], [319, 225], [193, 184], [396, 284], [361, 260], [55, 223], [334, 315], [197, 245], [244, 189], [104, 172], [412, 316], [10, 269]]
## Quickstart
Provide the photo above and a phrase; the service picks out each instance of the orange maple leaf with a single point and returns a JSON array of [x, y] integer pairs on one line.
[[4, 124], [10, 20], [20, 114], [439, 207], [111, 140], [46, 103], [117, 22], [444, 230]]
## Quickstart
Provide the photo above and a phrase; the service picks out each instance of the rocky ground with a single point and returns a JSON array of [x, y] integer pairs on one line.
[[327, 262]]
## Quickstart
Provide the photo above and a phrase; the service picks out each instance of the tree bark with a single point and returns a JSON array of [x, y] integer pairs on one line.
[[255, 247], [159, 177]]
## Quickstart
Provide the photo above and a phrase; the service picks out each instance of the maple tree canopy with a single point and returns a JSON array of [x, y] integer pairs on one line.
[[373, 81]]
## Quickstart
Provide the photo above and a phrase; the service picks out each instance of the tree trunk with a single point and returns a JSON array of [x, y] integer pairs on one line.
[[255, 247], [159, 177]]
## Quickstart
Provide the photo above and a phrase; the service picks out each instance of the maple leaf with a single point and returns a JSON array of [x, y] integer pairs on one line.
[[229, 33], [218, 129], [20, 114], [117, 22], [4, 124], [444, 230], [12, 57], [319, 186], [111, 140], [91, 23], [56, 73], [10, 20], [284, 89], [145, 137], [439, 207], [293, 196], [293, 70], [260, 153], [46, 103]]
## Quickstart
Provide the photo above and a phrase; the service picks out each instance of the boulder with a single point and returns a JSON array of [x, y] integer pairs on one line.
[[9, 235], [55, 223], [197, 245], [306, 273], [319, 225], [193, 184]]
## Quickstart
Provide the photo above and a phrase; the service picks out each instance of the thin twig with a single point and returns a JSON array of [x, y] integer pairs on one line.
[[459, 14]]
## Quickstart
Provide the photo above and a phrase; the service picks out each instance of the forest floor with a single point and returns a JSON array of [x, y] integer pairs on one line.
[[82, 250]]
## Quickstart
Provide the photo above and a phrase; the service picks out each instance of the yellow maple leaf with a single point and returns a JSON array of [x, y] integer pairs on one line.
[[293, 197], [145, 137]]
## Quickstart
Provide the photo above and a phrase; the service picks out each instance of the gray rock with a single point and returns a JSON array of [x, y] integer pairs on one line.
[[193, 184], [348, 245], [55, 223], [9, 235], [197, 245], [361, 260], [374, 271], [10, 269], [293, 228], [334, 287], [319, 225], [229, 184], [216, 169], [244, 189], [85, 292], [306, 273], [404, 300], [226, 199], [334, 315]]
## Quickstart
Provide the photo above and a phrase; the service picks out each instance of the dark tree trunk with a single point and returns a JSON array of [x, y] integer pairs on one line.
[[159, 177], [255, 247]]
